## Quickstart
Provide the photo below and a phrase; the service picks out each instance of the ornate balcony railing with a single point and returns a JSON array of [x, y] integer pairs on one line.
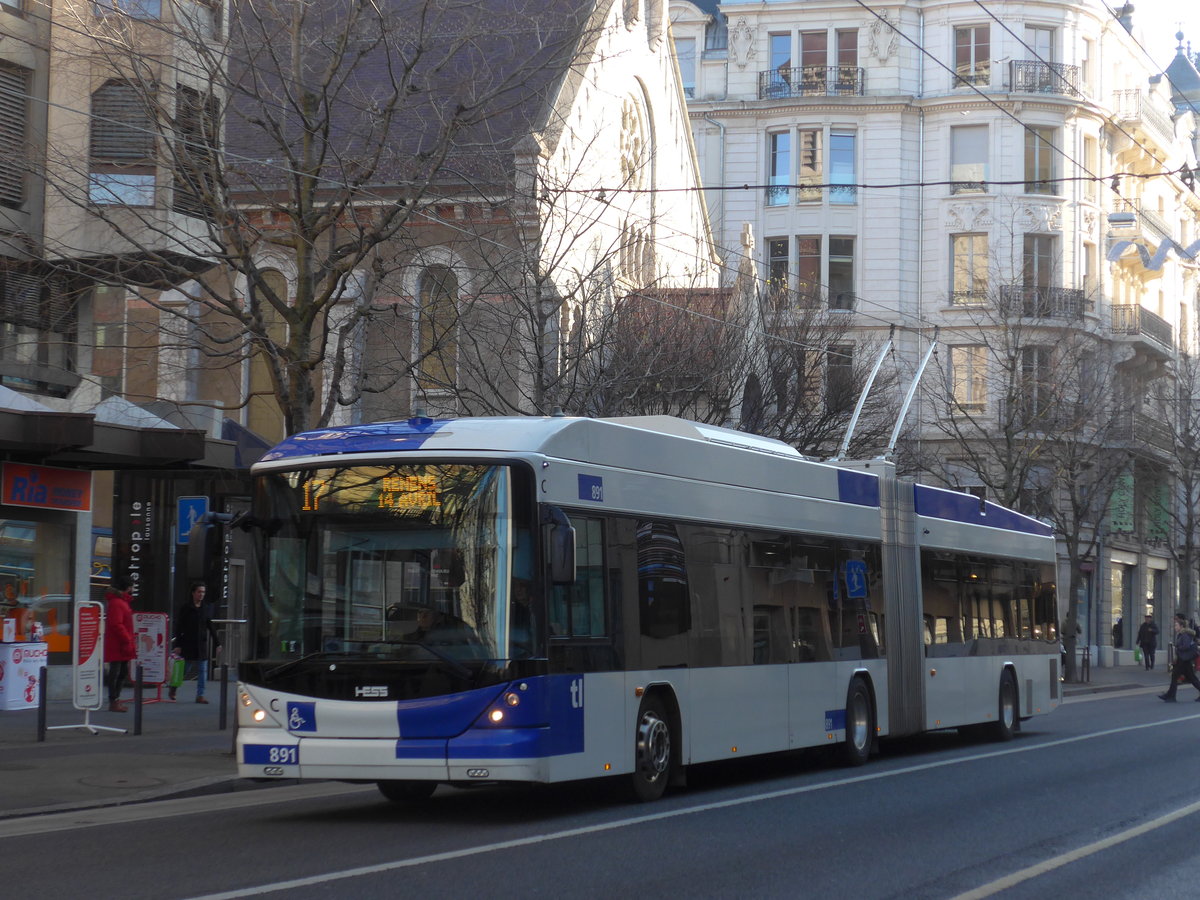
[[810, 81], [1031, 76], [1043, 302], [1148, 219], [1130, 318], [1134, 106], [1137, 426]]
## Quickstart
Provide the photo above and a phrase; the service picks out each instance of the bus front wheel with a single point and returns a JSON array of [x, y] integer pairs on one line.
[[859, 724], [651, 751], [407, 791], [1009, 709]]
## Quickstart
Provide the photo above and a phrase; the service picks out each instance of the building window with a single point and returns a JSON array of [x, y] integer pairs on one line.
[[839, 379], [1036, 388], [814, 60], [808, 269], [843, 181], [148, 10], [1091, 165], [972, 54], [1040, 40], [968, 159], [1038, 262], [841, 273], [1039, 160], [810, 165], [121, 156], [968, 377], [685, 55], [14, 119], [437, 365], [38, 333], [196, 148], [847, 62], [780, 164], [1091, 282], [969, 273], [1086, 64], [777, 269]]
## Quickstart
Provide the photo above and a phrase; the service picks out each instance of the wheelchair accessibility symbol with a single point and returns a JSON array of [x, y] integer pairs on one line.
[[302, 717]]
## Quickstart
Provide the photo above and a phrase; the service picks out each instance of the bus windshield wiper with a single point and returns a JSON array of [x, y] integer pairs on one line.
[[292, 663]]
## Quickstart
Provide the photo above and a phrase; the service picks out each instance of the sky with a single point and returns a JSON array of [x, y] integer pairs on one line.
[[1160, 19]]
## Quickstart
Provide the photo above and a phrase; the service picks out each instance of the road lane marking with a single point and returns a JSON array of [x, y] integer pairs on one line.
[[531, 840], [1057, 862]]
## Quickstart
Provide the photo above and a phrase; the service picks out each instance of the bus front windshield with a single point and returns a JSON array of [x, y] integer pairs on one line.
[[385, 561]]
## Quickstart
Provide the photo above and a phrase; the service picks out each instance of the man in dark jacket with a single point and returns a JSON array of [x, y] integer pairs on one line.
[[1147, 638], [193, 628]]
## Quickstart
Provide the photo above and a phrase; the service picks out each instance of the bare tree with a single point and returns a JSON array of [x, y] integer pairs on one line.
[[1031, 405], [307, 148]]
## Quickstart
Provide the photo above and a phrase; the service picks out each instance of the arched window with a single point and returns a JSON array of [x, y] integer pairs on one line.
[[263, 415], [437, 329]]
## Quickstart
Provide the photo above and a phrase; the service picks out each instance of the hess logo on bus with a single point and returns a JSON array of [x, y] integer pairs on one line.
[[371, 690]]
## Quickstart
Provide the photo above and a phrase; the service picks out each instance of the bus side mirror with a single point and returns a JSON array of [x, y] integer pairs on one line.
[[204, 544], [560, 545]]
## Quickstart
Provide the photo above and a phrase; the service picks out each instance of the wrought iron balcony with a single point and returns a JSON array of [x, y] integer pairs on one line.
[[1132, 319], [1043, 302], [810, 81], [1143, 430], [1031, 76], [1150, 222], [1135, 107]]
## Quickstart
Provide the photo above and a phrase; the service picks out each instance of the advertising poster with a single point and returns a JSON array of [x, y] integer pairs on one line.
[[20, 674], [88, 668], [150, 634]]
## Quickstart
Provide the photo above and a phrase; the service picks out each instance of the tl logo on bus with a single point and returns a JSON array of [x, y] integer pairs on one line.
[[577, 693]]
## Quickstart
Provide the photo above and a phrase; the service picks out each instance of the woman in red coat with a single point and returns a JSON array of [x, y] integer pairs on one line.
[[119, 646]]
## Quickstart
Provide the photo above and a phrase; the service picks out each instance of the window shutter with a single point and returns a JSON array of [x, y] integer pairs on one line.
[[14, 114], [121, 127]]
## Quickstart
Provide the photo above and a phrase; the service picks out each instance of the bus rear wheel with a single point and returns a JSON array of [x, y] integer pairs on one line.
[[407, 791], [856, 749], [651, 751], [1009, 708]]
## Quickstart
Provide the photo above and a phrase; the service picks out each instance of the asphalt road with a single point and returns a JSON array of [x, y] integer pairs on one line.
[[1101, 798]]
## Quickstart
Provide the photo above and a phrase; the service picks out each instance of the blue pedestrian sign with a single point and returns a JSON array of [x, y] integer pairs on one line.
[[856, 579], [189, 511]]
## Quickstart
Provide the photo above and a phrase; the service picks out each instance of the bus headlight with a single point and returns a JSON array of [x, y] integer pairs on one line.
[[512, 699], [497, 716]]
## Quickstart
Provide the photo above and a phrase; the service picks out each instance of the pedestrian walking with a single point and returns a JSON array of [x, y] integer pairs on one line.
[[1147, 638], [119, 645], [193, 628], [1185, 656]]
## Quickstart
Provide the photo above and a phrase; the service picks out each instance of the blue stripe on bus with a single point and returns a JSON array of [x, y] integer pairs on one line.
[[938, 503], [445, 716], [858, 487], [385, 436], [547, 721], [409, 749]]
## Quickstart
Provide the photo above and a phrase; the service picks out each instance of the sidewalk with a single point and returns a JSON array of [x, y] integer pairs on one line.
[[181, 750]]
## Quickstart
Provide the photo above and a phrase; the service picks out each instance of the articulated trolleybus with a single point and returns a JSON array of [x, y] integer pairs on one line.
[[488, 600]]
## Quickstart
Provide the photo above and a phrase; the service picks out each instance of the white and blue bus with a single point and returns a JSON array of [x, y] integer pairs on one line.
[[484, 600]]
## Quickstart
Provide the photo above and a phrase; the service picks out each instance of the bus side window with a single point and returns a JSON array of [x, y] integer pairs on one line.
[[578, 610]]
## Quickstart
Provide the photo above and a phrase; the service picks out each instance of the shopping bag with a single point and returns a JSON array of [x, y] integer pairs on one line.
[[1137, 654], [176, 675]]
